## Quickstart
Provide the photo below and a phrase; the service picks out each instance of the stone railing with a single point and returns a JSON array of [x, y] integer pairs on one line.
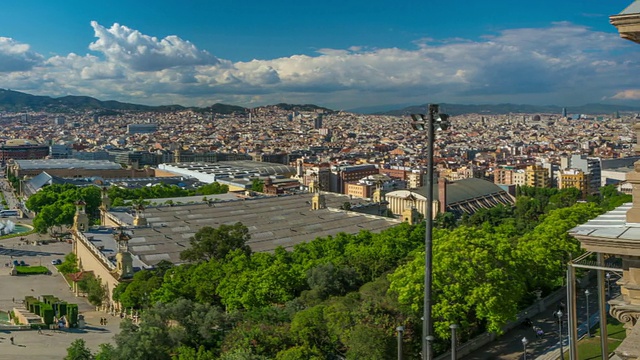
[[94, 249]]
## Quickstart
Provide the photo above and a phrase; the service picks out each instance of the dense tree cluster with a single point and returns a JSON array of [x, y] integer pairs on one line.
[[343, 296], [54, 204], [120, 196]]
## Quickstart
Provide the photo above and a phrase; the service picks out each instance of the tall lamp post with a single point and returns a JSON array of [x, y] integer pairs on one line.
[[524, 344], [608, 277], [587, 293], [559, 315], [400, 330], [430, 122], [454, 353]]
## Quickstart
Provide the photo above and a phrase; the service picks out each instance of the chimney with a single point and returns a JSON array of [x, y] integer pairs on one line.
[[442, 194]]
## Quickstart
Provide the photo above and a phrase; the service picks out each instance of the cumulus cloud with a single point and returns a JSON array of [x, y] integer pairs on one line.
[[627, 95], [560, 64], [15, 56], [140, 52]]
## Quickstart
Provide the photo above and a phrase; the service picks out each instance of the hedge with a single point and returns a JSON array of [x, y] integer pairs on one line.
[[32, 270]]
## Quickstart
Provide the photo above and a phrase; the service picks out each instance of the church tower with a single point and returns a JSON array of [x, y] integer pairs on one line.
[[80, 219], [139, 219], [106, 202], [318, 201], [377, 193], [410, 214], [124, 260]]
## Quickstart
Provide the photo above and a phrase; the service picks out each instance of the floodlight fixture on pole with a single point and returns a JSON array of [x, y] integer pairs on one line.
[[431, 122], [559, 315], [587, 293]]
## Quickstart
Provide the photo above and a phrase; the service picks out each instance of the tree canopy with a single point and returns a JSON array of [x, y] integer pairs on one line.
[[215, 243]]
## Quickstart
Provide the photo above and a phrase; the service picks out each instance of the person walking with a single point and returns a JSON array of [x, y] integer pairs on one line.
[[11, 338]]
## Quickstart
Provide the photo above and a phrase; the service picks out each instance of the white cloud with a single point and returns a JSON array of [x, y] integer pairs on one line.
[[15, 56], [633, 94], [560, 64], [140, 52]]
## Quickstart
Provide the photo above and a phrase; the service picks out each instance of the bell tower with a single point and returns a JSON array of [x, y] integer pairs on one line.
[[139, 219], [124, 260], [80, 219], [410, 214]]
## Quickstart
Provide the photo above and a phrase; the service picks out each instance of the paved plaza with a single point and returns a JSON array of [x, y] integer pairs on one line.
[[50, 344]]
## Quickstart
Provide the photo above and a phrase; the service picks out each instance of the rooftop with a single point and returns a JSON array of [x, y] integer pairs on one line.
[[272, 221], [67, 164]]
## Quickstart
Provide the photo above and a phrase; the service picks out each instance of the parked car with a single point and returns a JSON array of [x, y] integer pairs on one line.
[[56, 262], [16, 263], [22, 263]]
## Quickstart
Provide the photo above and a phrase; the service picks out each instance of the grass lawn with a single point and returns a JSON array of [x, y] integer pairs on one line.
[[32, 270], [589, 348]]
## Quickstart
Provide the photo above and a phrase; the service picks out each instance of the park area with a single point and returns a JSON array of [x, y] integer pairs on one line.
[[49, 344]]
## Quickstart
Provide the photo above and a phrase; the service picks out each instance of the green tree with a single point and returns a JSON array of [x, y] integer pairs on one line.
[[78, 351], [69, 265], [368, 342], [215, 243], [93, 287], [257, 185], [477, 280], [106, 352]]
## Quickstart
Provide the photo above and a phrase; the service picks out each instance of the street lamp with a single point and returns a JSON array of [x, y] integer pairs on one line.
[[559, 315], [608, 277], [524, 344], [586, 293], [454, 355], [430, 122], [400, 330]]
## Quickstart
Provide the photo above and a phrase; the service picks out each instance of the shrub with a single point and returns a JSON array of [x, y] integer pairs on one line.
[[31, 270]]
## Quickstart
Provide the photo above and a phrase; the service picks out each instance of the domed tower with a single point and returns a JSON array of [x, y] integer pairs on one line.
[[80, 219], [124, 260]]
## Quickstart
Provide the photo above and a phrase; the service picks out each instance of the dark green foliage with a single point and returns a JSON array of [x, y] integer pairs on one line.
[[328, 280], [93, 287], [72, 315], [78, 351], [106, 352], [47, 314], [215, 243]]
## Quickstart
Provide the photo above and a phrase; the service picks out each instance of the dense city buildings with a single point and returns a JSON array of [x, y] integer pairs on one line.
[[507, 149]]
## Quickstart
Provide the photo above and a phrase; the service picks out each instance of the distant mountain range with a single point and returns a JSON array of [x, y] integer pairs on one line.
[[16, 101]]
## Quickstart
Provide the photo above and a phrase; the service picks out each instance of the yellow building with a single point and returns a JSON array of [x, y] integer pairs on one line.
[[537, 176], [574, 178]]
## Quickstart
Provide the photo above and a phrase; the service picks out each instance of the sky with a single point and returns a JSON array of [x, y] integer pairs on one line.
[[343, 54]]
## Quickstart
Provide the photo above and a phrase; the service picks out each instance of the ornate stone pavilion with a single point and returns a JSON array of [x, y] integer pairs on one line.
[[612, 242]]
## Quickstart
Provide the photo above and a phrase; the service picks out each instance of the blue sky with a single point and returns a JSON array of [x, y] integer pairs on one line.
[[340, 54]]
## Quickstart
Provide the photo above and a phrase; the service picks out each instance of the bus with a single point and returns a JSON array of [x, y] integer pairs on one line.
[[7, 213]]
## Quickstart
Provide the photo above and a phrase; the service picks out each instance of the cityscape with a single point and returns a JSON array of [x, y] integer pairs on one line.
[[169, 199]]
